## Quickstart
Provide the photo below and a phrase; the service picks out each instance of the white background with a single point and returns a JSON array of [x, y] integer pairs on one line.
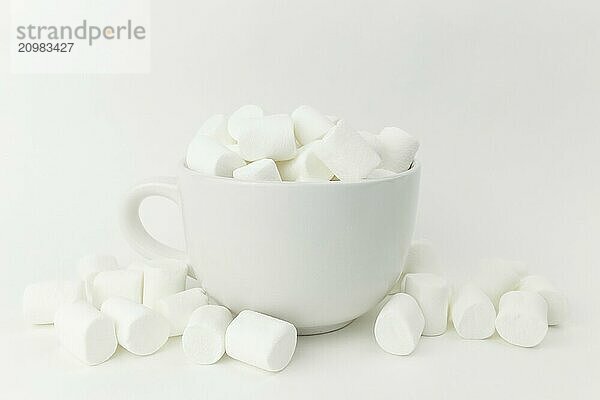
[[504, 96]]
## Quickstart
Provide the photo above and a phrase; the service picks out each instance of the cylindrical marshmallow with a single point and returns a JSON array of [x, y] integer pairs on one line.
[[522, 318], [125, 283], [305, 166], [178, 307], [399, 325], [473, 313], [421, 257], [346, 153], [87, 333], [140, 330], [261, 170], [261, 340], [397, 149], [267, 137], [89, 266], [496, 277], [209, 157], [309, 124], [431, 293], [162, 277], [203, 339], [237, 118], [216, 127], [41, 300], [557, 301]]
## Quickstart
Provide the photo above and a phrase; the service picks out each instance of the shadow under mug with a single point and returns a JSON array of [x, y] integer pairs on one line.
[[316, 254]]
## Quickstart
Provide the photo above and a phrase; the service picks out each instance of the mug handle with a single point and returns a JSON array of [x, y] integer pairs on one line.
[[136, 235]]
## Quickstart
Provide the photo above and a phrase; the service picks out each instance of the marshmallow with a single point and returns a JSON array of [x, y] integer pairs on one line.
[[379, 173], [216, 127], [346, 153], [191, 283], [473, 313], [522, 318], [203, 339], [235, 148], [209, 157], [261, 170], [260, 340], [267, 137], [397, 150], [431, 293], [162, 278], [399, 325], [557, 302], [140, 330], [305, 166], [178, 307], [87, 333], [421, 257], [497, 277], [89, 266], [372, 140], [41, 300], [309, 124], [125, 283], [237, 118]]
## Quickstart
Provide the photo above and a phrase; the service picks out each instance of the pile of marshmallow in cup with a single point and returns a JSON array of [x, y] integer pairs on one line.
[[141, 306]]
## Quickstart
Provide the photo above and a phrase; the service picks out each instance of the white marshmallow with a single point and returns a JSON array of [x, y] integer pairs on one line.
[[125, 283], [162, 278], [522, 318], [378, 173], [473, 313], [421, 257], [399, 325], [235, 148], [431, 293], [140, 330], [346, 153], [178, 307], [397, 150], [309, 124], [557, 302], [191, 283], [209, 157], [372, 140], [237, 118], [89, 266], [496, 277], [87, 333], [267, 137], [216, 127], [306, 166], [260, 340], [203, 339], [261, 170], [41, 300]]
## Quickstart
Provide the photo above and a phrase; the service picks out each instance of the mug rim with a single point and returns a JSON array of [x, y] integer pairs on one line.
[[414, 169]]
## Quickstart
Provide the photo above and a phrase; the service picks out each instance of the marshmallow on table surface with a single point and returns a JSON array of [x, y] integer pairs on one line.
[[397, 149], [209, 157], [346, 153], [237, 118], [267, 137], [399, 325], [178, 307], [261, 340], [162, 277], [473, 313], [203, 339], [261, 170], [306, 166], [41, 300], [421, 257], [432, 294], [140, 330], [126, 283], [87, 333], [496, 277], [522, 318], [216, 127], [379, 173], [309, 124], [89, 266], [557, 302]]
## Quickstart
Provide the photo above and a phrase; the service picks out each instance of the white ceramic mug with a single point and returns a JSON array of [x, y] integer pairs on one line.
[[316, 254]]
